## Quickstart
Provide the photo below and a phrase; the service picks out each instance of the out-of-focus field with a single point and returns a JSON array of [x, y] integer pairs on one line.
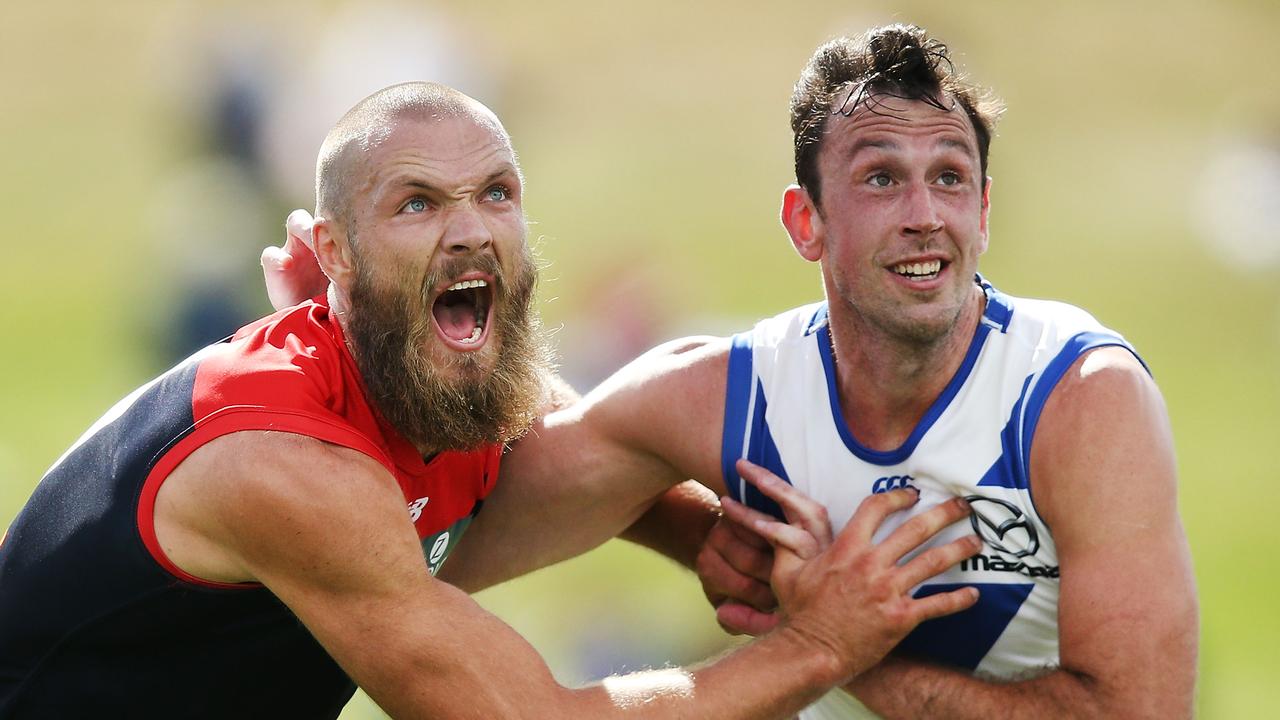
[[655, 142]]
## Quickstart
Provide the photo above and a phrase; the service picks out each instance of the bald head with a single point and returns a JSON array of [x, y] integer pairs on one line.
[[342, 164]]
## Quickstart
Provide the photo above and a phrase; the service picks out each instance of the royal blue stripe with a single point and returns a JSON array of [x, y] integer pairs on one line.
[[1048, 380], [962, 640], [737, 398], [893, 457], [763, 451], [1007, 471], [819, 319], [999, 308]]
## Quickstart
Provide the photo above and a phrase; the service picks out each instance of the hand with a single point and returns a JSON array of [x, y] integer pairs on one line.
[[734, 566], [292, 273], [847, 593]]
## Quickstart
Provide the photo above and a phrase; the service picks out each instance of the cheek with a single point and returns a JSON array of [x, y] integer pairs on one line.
[[509, 224]]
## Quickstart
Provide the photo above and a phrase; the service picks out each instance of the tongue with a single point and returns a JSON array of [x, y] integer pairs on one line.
[[457, 321]]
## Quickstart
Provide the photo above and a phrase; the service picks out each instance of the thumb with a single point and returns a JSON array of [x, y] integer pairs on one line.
[[298, 226], [275, 260]]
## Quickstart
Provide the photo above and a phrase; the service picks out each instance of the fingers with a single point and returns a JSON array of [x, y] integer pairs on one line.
[[779, 534], [276, 264], [752, 558], [874, 509], [935, 560], [799, 509], [744, 535], [947, 603], [721, 581], [920, 528], [298, 227], [275, 259], [738, 619]]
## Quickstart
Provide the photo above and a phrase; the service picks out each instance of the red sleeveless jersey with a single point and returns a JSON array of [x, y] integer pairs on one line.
[[95, 620]]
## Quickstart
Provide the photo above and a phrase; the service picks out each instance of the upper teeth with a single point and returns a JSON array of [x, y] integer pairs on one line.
[[924, 268], [467, 284]]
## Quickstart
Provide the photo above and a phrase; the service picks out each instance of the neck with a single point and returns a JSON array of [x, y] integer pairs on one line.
[[886, 383], [339, 305]]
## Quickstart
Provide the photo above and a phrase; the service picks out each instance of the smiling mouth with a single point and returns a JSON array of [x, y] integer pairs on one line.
[[919, 271], [461, 313]]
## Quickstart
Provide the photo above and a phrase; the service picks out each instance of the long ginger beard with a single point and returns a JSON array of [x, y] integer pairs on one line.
[[464, 405]]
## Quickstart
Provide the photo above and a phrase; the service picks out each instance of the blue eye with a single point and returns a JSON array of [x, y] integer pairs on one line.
[[949, 178], [497, 193], [416, 205], [880, 180]]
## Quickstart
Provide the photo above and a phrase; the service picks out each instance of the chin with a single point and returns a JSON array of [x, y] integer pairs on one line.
[[471, 365]]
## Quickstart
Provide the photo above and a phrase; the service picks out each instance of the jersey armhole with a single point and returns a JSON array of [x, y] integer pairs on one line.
[[1044, 386], [224, 422], [738, 400]]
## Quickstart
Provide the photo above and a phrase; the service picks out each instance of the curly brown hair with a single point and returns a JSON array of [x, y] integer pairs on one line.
[[899, 61]]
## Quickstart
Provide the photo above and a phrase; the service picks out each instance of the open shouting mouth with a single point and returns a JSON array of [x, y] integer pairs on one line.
[[462, 310]]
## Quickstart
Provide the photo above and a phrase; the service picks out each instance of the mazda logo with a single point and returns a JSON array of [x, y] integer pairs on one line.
[[1003, 527]]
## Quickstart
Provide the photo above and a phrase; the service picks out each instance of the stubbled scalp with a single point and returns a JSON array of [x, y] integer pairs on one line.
[[894, 61], [342, 159]]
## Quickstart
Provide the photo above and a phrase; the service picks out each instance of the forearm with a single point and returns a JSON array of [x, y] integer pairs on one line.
[[458, 661], [900, 689], [748, 683], [677, 524]]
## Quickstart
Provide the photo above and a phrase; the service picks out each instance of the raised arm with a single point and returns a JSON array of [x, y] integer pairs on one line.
[[1104, 478], [591, 469], [325, 529]]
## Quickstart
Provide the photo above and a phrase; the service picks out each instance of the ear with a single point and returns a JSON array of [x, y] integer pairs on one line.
[[986, 211], [803, 222], [333, 251]]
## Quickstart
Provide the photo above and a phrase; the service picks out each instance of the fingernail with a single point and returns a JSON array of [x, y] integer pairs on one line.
[[964, 504]]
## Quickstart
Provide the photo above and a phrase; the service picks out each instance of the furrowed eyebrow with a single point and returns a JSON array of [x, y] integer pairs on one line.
[[416, 183], [507, 171]]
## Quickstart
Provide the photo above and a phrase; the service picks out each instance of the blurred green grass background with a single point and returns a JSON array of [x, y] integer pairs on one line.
[[656, 135]]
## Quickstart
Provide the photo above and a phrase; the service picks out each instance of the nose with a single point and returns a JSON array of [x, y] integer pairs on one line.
[[921, 214], [465, 231]]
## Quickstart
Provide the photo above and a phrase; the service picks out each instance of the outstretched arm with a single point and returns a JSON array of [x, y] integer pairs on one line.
[[344, 558], [592, 469], [1103, 477], [674, 525]]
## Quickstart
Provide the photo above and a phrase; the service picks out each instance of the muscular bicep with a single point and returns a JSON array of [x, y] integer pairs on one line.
[[590, 470], [325, 530], [1103, 475]]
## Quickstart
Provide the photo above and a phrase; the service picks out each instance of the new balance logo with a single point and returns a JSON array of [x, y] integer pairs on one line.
[[415, 508]]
